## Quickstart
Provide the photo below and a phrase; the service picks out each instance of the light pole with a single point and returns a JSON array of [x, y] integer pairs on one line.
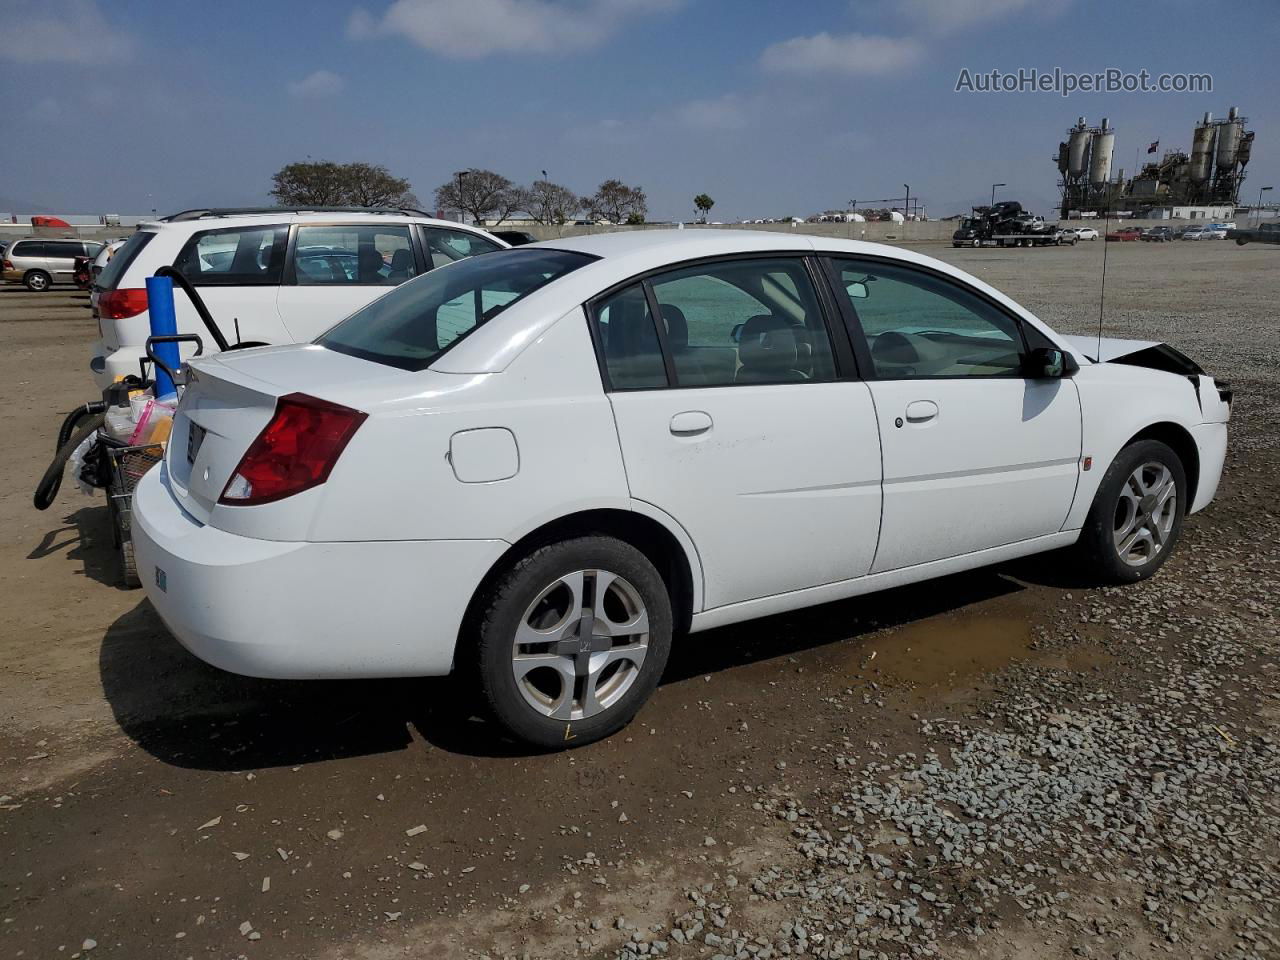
[[993, 191], [1261, 190], [906, 204], [462, 214]]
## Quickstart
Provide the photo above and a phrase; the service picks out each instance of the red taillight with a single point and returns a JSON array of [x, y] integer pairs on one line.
[[121, 304], [6, 265], [294, 452]]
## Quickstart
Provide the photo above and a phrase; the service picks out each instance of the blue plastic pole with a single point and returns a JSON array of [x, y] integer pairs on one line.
[[164, 322]]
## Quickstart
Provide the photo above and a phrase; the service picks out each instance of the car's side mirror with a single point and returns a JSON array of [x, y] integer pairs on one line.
[[1050, 363], [857, 290]]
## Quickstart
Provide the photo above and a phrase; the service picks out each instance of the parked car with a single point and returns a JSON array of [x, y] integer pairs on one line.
[[1214, 231], [507, 468], [1196, 232], [272, 276], [39, 263], [516, 238], [1264, 233], [1125, 234], [104, 257], [1158, 235], [1084, 233]]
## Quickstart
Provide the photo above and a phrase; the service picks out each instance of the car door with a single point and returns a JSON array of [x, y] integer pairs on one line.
[[334, 269], [61, 258], [976, 454], [734, 419], [237, 272]]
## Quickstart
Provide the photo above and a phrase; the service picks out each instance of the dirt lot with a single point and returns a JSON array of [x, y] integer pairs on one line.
[[1006, 763]]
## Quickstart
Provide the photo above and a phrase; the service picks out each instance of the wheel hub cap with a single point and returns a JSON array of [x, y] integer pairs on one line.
[[1145, 513], [580, 645]]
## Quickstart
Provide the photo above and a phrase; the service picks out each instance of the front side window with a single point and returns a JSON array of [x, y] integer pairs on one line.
[[741, 322], [446, 246], [238, 257], [917, 325], [353, 255], [413, 324]]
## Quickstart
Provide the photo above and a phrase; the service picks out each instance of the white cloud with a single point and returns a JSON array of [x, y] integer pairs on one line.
[[847, 53], [478, 28], [319, 83], [61, 31], [719, 113], [949, 16]]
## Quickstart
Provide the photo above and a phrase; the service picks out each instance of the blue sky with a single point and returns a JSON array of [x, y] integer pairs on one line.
[[772, 108]]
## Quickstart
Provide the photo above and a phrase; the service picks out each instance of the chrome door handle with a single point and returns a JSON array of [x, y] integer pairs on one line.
[[919, 411], [690, 423]]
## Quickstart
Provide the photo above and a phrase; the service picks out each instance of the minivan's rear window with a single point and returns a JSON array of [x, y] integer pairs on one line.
[[109, 279], [415, 323]]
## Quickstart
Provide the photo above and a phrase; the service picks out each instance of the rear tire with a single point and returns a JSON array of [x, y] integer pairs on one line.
[[1137, 514], [37, 281], [571, 641]]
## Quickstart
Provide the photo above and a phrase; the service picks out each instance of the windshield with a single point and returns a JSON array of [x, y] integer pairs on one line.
[[415, 323]]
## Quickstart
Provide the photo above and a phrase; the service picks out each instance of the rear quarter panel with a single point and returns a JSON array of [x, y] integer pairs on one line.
[[395, 480]]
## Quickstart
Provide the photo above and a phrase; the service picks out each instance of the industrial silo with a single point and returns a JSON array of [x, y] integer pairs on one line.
[[1104, 141], [1229, 141], [1078, 150], [1201, 151]]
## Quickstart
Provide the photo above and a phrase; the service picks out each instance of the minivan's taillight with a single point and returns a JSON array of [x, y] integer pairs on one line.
[[295, 451], [6, 265], [121, 304]]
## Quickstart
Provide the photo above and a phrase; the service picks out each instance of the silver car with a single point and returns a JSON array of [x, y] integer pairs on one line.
[[39, 263]]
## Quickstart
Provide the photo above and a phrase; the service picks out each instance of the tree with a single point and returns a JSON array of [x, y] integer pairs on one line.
[[482, 193], [551, 203], [328, 184], [618, 203], [704, 203]]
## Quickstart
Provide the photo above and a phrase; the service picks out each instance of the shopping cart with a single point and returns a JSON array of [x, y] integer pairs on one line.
[[123, 466]]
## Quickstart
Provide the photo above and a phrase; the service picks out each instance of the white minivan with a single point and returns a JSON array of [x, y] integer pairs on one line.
[[267, 275]]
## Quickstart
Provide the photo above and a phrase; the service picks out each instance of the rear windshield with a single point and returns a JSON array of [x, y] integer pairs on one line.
[[416, 322], [118, 264]]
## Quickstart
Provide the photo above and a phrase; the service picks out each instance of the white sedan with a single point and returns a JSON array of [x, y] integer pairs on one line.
[[1084, 233], [538, 466]]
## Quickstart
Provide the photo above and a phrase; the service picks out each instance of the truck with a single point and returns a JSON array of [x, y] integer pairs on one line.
[[1263, 233], [1006, 224]]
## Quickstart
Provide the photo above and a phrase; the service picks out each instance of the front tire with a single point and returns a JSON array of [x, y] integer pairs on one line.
[[571, 641], [1137, 514], [37, 281]]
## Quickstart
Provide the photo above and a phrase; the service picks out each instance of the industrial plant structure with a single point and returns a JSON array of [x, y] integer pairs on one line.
[[1209, 176]]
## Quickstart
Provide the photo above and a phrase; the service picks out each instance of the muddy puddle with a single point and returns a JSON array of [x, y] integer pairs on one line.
[[942, 650]]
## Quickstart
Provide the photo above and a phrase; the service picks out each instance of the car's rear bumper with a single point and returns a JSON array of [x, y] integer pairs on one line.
[[301, 610]]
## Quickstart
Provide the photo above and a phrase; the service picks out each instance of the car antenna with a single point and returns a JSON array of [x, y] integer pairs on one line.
[[236, 320], [1106, 228]]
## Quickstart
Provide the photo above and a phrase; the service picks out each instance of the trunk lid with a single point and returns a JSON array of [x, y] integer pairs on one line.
[[230, 397]]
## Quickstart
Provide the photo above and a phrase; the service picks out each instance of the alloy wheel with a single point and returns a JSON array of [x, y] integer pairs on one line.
[[1145, 512], [580, 645]]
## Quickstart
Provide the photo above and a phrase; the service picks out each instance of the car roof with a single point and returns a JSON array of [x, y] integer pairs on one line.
[[623, 255], [216, 220]]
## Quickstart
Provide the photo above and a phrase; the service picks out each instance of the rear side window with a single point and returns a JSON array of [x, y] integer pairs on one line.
[[629, 341], [353, 255], [412, 325], [29, 248], [112, 273], [63, 249], [444, 246], [247, 256]]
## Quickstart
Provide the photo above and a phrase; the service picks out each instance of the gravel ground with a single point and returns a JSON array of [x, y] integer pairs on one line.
[[1010, 763]]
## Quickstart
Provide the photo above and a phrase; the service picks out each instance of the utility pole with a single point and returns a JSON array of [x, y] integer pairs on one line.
[[462, 213]]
